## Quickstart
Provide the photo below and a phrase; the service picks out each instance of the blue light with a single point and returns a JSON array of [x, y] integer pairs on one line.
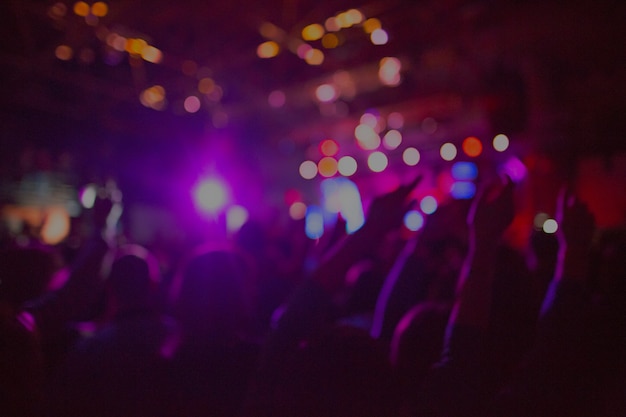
[[314, 222], [464, 171], [413, 220], [463, 190]]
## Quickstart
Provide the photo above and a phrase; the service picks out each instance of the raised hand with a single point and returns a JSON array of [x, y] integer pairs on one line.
[[388, 210], [492, 211]]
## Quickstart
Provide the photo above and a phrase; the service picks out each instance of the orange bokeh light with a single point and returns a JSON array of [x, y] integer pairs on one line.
[[327, 166], [329, 147], [472, 146]]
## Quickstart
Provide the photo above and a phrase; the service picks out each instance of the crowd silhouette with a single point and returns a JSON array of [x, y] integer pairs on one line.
[[368, 324]]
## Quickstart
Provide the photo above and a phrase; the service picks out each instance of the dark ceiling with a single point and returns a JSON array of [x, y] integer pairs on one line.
[[551, 72]]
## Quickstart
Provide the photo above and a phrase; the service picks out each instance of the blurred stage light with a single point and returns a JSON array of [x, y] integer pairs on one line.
[[448, 152], [276, 99], [515, 169], [329, 147], [314, 222], [411, 156], [366, 137], [210, 195], [88, 196], [500, 143], [312, 32], [371, 24], [192, 104], [308, 170], [56, 226], [347, 166], [236, 216], [267, 49], [379, 37], [413, 220], [463, 190], [550, 226], [464, 171], [472, 146], [297, 210], [392, 139], [377, 161], [428, 205], [327, 166], [326, 93]]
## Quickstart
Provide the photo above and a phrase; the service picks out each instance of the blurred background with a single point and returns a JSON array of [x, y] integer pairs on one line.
[[200, 115]]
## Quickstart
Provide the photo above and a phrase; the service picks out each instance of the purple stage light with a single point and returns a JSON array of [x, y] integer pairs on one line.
[[210, 195]]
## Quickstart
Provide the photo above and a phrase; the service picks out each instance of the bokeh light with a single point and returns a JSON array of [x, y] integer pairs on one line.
[[395, 120], [366, 137], [314, 57], [151, 54], [313, 32], [206, 85], [347, 166], [236, 216], [371, 24], [411, 156], [379, 37], [276, 99], [99, 9], [369, 119], [514, 169], [389, 71], [56, 226], [413, 220], [308, 170], [210, 195], [81, 8], [377, 161], [354, 16], [332, 25], [153, 97], [326, 93], [63, 52], [314, 222], [267, 49], [330, 41], [191, 104], [448, 151], [429, 204], [550, 226], [88, 196], [329, 147], [392, 139], [327, 166], [500, 143], [472, 146], [297, 210], [539, 220], [135, 46], [463, 190], [464, 171]]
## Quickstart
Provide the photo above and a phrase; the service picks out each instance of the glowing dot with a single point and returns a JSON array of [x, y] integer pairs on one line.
[[550, 226], [206, 85], [539, 220], [314, 57], [58, 10], [327, 166], [189, 67], [389, 71], [379, 37], [413, 220], [308, 170], [369, 119], [472, 146], [135, 46], [303, 49], [464, 171], [312, 32], [314, 222], [395, 120], [276, 99], [88, 196], [428, 204], [411, 156], [330, 41], [151, 54], [63, 52], [81, 8], [366, 137], [297, 210], [448, 151], [392, 139], [500, 143], [99, 9], [236, 216], [153, 97], [270, 31], [210, 196], [326, 93], [347, 166], [56, 226], [462, 190], [332, 25], [267, 49], [371, 24], [192, 104], [329, 147], [354, 16], [116, 42], [377, 161], [344, 20]]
